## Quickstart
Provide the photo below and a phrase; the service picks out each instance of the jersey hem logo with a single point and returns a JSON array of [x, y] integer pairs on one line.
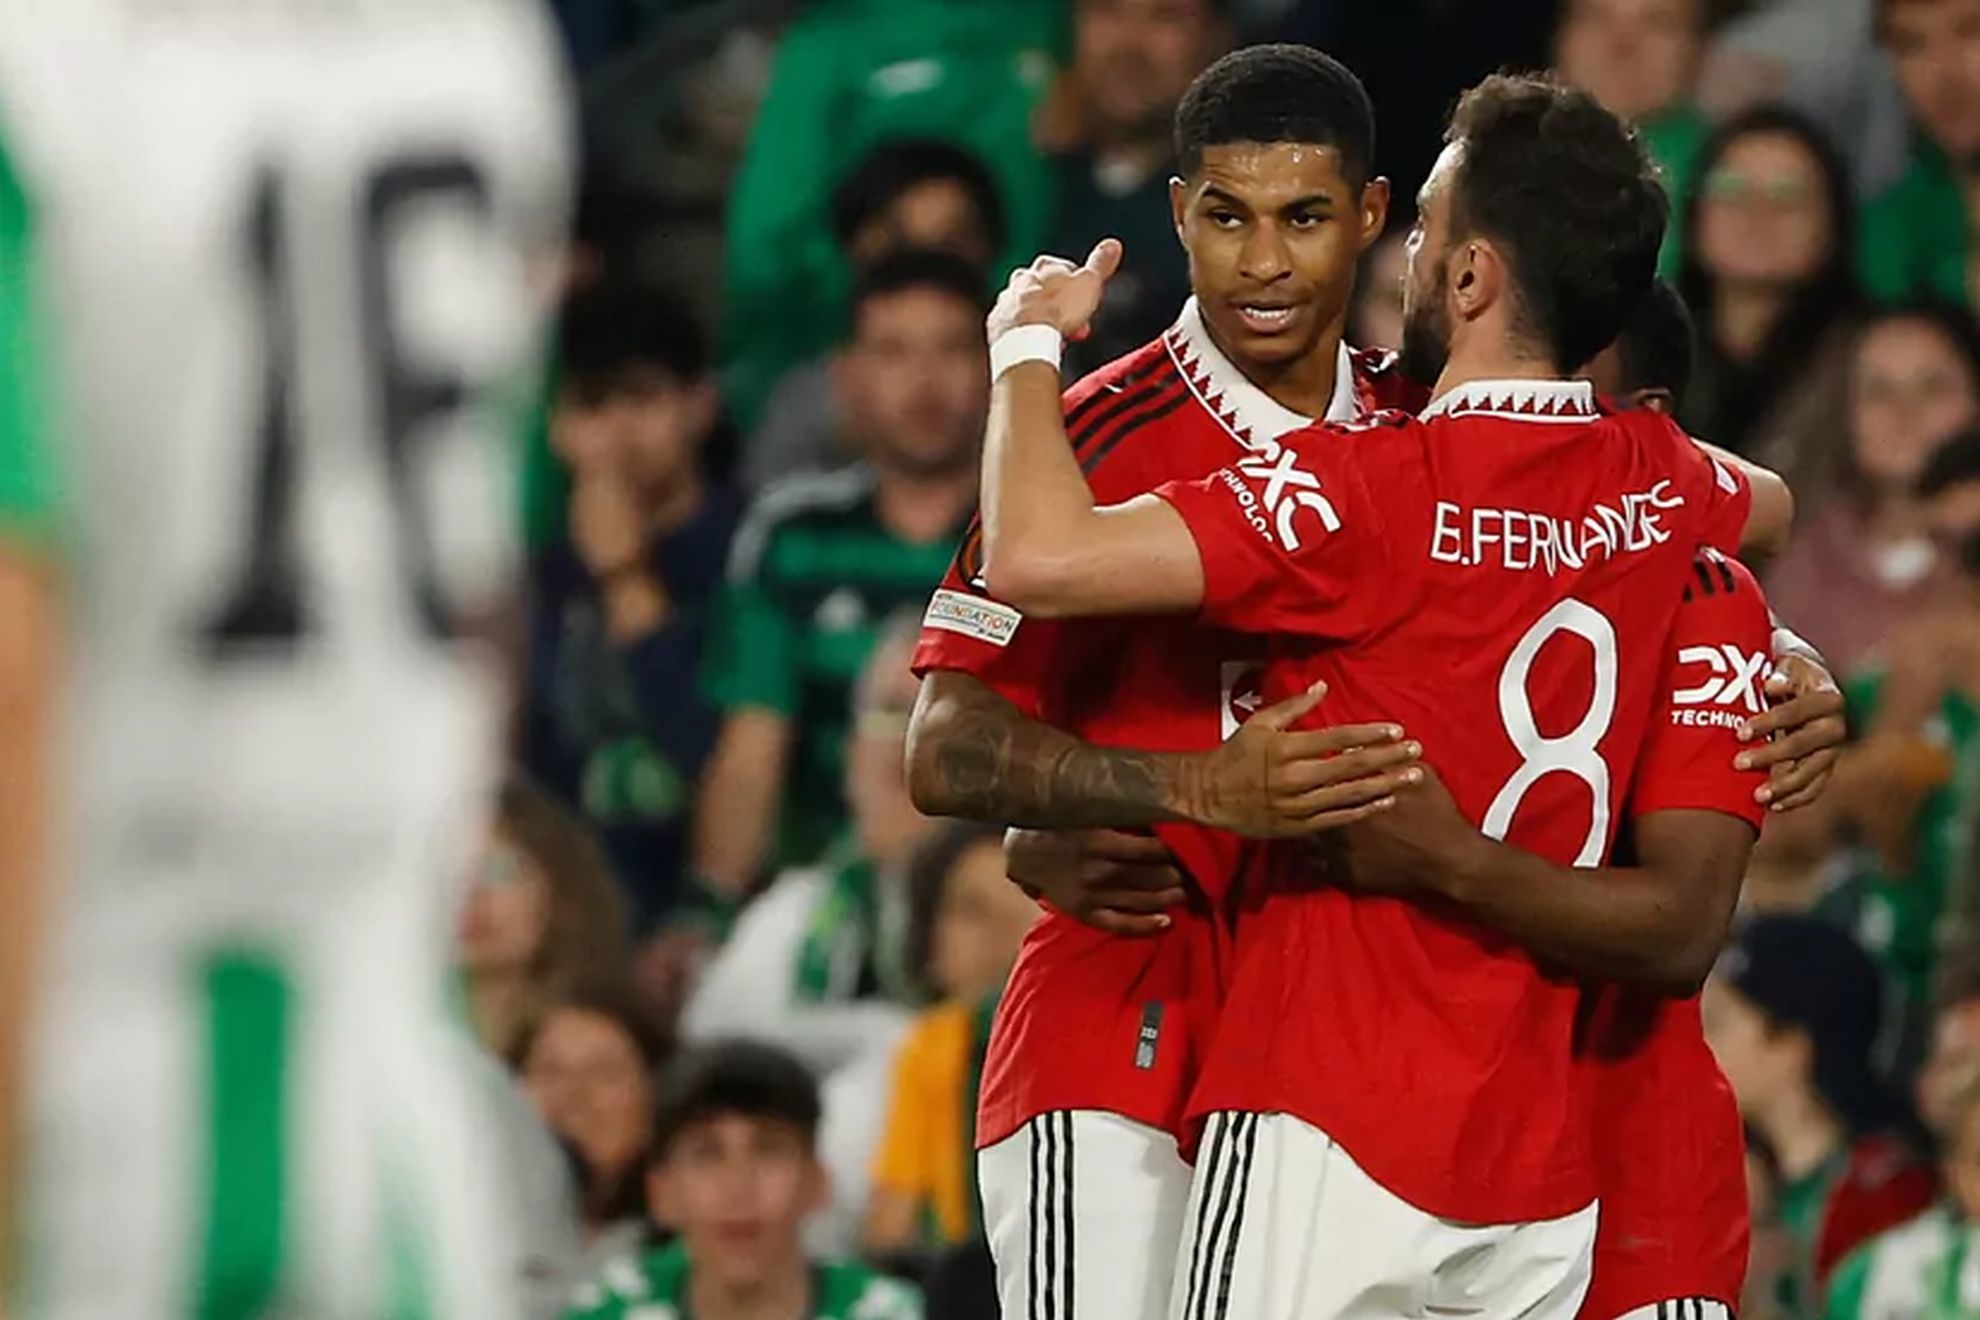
[[986, 620]]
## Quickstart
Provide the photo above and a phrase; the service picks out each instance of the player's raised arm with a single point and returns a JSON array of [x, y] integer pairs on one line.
[[1047, 549]]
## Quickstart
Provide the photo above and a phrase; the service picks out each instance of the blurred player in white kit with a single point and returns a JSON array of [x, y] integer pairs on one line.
[[271, 283]]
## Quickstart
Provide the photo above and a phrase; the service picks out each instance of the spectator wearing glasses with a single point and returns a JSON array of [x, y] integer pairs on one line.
[[1766, 272], [542, 918], [1863, 561]]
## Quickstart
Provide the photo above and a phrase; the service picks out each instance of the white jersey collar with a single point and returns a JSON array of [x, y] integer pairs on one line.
[[1247, 412], [1520, 400]]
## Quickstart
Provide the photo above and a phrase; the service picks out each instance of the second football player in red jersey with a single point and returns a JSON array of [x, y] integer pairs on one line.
[[1097, 1037], [1667, 1145], [1537, 550], [1673, 1236]]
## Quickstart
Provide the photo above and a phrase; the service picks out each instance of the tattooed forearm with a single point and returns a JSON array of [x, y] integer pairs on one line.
[[971, 753]]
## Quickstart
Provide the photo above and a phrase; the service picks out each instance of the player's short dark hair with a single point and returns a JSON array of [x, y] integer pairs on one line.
[[918, 268], [891, 169], [612, 329], [1658, 344], [1570, 196], [735, 1077], [1278, 93]]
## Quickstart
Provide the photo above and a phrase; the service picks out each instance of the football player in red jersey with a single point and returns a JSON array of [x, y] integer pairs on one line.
[[1522, 544], [1667, 1140], [1674, 1226], [1097, 1037]]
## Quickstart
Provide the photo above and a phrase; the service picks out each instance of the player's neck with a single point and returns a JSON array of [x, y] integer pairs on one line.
[[1491, 359], [922, 508], [785, 1295], [1803, 1133]]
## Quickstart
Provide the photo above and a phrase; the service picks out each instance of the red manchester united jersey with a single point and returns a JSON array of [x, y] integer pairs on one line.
[[1499, 577], [1669, 1154], [1088, 1021]]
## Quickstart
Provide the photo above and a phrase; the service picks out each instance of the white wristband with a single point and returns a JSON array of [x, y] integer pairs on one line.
[[1025, 343]]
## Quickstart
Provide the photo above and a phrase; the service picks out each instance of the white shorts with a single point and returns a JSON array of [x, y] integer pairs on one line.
[[1084, 1212], [1682, 1308], [1283, 1225]]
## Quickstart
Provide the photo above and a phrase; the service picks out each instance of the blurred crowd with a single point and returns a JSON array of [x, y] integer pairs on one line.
[[747, 986]]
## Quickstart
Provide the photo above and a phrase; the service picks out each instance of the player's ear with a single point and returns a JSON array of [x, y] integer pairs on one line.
[[1374, 212], [1477, 278], [1178, 203]]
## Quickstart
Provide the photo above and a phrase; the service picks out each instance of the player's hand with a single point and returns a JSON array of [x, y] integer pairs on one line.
[[1804, 723], [1123, 884], [1270, 781], [1053, 291], [1407, 849]]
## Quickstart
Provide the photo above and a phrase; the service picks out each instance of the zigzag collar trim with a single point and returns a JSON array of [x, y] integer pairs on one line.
[[1250, 414], [1518, 400]]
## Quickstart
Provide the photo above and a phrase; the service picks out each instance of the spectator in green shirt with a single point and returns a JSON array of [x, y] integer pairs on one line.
[[1918, 236], [849, 75], [822, 562], [1639, 58], [910, 193], [735, 1174]]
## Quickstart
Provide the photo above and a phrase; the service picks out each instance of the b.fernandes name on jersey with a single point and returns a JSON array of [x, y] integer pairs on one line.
[[1519, 539]]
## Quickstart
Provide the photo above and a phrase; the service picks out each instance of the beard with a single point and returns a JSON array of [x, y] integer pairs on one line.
[[1426, 336]]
